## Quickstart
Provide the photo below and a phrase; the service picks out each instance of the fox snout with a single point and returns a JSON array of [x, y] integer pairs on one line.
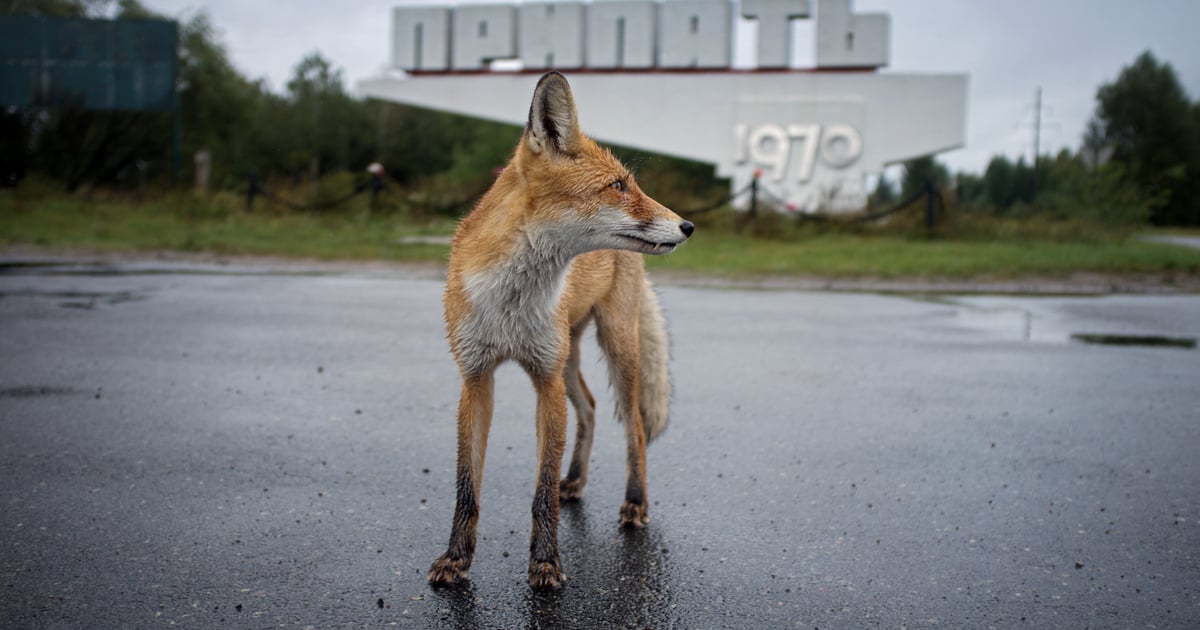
[[680, 228], [657, 236], [668, 226]]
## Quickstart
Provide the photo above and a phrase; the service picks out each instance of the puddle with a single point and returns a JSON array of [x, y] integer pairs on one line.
[[1148, 322], [1155, 341], [35, 391], [22, 268], [13, 267], [85, 300], [106, 270], [1009, 321]]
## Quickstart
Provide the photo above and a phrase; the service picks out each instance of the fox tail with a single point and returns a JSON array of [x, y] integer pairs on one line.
[[655, 394]]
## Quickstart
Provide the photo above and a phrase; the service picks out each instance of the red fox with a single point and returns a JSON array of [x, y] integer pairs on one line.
[[553, 246]]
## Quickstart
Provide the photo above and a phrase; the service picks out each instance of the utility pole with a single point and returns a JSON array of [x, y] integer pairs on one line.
[[1037, 137]]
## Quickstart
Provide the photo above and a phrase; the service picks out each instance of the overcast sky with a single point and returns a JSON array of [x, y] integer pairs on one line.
[[1007, 47]]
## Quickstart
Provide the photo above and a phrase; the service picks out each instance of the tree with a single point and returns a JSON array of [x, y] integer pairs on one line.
[[1071, 190], [1022, 182], [999, 183], [338, 128], [884, 193], [1154, 131], [970, 188], [1094, 146], [920, 172], [216, 102], [411, 142]]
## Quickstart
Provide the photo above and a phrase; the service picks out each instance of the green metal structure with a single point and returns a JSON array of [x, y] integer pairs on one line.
[[104, 65], [95, 64]]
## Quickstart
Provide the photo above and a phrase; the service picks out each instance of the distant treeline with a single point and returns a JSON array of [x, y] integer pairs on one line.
[[1139, 161]]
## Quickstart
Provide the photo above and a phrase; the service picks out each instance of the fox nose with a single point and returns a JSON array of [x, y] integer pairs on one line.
[[687, 228]]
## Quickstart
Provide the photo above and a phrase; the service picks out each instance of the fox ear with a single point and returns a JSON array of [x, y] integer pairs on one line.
[[553, 123]]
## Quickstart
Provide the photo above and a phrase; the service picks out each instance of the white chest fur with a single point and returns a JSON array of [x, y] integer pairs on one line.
[[515, 310]]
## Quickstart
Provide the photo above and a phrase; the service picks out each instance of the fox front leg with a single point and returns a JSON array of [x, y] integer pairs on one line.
[[474, 420], [545, 571]]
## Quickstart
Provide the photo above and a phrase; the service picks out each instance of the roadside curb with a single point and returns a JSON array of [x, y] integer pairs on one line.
[[33, 260]]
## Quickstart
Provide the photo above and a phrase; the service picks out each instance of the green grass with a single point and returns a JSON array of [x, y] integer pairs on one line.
[[219, 224], [896, 256], [184, 223]]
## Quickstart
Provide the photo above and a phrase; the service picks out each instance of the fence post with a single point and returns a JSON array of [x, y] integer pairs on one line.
[[930, 216], [754, 193], [376, 171], [376, 186], [251, 189], [203, 163]]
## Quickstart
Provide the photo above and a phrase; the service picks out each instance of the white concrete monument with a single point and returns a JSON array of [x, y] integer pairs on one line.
[[658, 76]]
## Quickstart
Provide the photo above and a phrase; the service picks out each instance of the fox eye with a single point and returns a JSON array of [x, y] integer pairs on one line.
[[618, 185]]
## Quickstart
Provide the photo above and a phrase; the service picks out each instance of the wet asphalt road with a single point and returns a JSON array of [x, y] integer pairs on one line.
[[248, 449]]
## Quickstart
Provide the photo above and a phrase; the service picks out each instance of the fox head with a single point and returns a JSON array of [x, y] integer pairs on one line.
[[572, 180]]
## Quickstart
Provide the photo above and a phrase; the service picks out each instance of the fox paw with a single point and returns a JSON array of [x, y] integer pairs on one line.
[[633, 515], [447, 571], [570, 490], [546, 576]]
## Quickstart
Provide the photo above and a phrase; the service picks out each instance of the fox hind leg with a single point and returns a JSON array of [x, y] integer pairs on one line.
[[571, 487], [617, 332]]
